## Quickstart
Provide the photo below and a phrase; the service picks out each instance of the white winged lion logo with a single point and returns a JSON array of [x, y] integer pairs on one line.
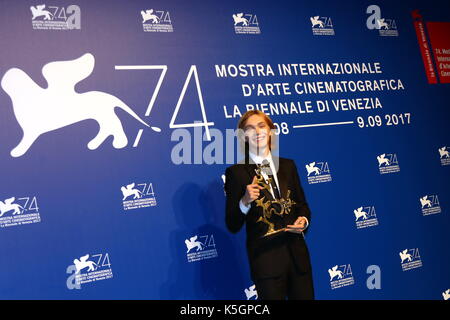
[[148, 15], [334, 272], [239, 18], [84, 263], [129, 190], [316, 21], [38, 11], [9, 205], [193, 243], [311, 168], [404, 255], [40, 110]]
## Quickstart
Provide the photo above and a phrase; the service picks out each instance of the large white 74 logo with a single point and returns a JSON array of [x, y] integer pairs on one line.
[[41, 110]]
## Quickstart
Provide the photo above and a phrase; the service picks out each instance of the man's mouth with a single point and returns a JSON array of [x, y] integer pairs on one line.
[[259, 138]]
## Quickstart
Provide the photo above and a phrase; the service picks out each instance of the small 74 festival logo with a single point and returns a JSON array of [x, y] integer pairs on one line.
[[20, 211], [246, 23], [156, 21], [430, 204], [322, 26], [200, 248], [341, 276], [410, 259], [365, 217], [136, 196], [87, 269], [55, 17], [318, 172], [388, 163]]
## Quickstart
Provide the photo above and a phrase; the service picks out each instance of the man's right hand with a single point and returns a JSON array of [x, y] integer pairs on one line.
[[251, 192]]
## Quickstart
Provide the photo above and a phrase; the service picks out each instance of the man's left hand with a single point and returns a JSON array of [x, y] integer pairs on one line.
[[299, 225]]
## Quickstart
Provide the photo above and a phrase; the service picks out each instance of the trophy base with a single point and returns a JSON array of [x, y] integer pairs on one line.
[[273, 233]]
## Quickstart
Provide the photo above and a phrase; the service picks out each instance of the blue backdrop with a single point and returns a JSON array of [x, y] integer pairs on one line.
[[144, 218]]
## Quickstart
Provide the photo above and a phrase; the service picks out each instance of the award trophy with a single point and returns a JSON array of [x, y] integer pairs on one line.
[[277, 207]]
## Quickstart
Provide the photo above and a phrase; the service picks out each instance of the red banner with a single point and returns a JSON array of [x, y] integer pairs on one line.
[[439, 33], [424, 47]]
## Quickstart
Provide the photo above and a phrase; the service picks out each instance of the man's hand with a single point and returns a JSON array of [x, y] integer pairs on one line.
[[251, 192], [299, 225]]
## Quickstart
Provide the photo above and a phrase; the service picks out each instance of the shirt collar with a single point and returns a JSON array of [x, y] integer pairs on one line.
[[259, 159]]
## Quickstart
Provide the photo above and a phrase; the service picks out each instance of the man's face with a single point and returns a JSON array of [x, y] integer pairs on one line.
[[258, 132]]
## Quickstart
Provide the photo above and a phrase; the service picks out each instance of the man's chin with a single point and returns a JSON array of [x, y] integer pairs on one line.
[[256, 147]]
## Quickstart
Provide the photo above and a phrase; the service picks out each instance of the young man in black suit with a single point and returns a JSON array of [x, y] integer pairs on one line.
[[279, 264]]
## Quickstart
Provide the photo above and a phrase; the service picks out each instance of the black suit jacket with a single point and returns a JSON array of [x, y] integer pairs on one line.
[[268, 257]]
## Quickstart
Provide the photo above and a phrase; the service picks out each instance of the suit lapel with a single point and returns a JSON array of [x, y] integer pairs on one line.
[[282, 178]]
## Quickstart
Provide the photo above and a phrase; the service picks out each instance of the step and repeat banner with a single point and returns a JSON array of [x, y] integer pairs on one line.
[[117, 124]]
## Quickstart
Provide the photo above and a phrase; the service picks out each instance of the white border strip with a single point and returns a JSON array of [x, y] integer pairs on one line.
[[323, 124]]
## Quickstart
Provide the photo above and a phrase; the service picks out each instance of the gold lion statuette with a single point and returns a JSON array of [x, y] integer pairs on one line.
[[282, 206]]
